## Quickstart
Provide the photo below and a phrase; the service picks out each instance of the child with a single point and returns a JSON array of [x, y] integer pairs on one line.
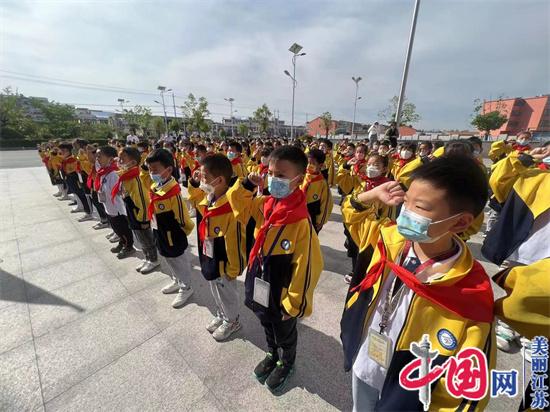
[[328, 166], [285, 263], [422, 279], [171, 223], [234, 154], [114, 206], [404, 156], [348, 177], [93, 186], [136, 200], [221, 242], [71, 168], [317, 190], [358, 229]]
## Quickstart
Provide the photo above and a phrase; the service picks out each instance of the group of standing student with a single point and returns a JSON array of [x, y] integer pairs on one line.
[[407, 212]]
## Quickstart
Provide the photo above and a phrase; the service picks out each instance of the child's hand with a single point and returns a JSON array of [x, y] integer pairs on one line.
[[286, 317], [196, 176], [255, 179], [389, 193], [540, 152]]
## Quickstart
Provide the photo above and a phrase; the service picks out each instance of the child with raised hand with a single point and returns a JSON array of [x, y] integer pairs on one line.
[[317, 190], [221, 242], [171, 223], [422, 279], [348, 177], [285, 263], [234, 154]]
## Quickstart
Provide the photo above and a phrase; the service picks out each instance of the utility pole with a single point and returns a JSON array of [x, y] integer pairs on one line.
[[356, 80], [231, 100]]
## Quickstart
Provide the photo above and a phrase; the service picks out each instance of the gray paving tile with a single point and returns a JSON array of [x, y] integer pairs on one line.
[[54, 227], [9, 248], [35, 215], [152, 376], [19, 383], [75, 351], [60, 274], [50, 310], [53, 254], [15, 327], [12, 287], [134, 281]]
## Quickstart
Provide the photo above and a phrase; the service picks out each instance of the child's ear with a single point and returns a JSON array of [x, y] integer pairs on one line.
[[463, 223]]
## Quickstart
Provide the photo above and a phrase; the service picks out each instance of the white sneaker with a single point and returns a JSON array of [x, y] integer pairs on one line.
[[77, 210], [85, 218], [58, 194], [225, 330], [110, 235], [142, 263], [505, 336], [182, 297], [214, 324], [171, 288], [149, 266], [64, 197], [114, 239]]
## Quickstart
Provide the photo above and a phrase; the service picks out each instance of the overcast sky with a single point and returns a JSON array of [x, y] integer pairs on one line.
[[463, 50]]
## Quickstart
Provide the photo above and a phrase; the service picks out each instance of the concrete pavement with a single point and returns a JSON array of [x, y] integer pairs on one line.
[[81, 329]]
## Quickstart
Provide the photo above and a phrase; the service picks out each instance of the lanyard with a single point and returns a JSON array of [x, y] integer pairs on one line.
[[391, 300]]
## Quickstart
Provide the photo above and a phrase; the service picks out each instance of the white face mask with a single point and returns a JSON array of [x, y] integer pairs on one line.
[[406, 154], [373, 171], [207, 188]]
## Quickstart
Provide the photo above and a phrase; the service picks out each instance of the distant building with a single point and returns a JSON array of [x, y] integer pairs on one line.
[[26, 104], [316, 128], [529, 113]]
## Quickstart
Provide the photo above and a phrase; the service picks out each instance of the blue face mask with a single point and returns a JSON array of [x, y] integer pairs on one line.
[[157, 179], [278, 187], [231, 155], [523, 142], [414, 227]]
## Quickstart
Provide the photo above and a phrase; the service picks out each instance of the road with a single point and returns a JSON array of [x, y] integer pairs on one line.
[[15, 159]]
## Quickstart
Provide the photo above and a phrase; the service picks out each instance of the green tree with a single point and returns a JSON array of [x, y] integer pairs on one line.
[[157, 125], [262, 116], [138, 118], [326, 122], [243, 129], [174, 125], [195, 112], [488, 121], [408, 112], [60, 121]]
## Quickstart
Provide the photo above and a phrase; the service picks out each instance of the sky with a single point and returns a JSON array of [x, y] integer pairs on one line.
[[463, 50]]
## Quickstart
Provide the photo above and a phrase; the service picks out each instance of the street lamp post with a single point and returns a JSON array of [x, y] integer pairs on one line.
[[162, 90], [294, 49], [356, 80], [231, 100], [407, 62]]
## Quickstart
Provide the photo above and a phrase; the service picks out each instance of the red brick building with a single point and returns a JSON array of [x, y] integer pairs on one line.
[[530, 113]]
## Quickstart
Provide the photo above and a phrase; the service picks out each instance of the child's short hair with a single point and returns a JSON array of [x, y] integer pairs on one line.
[[266, 151], [461, 178], [384, 159], [291, 154], [438, 143], [350, 145], [236, 146], [326, 141], [163, 156], [318, 155], [108, 151], [200, 148], [66, 146], [143, 145], [475, 140], [427, 143], [132, 153], [218, 165], [459, 147], [409, 145]]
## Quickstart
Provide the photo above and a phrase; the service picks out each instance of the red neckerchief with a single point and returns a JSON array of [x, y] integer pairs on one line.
[[131, 173], [358, 166], [310, 178], [183, 162], [279, 212], [45, 160], [372, 182], [348, 158], [520, 148], [237, 161], [69, 160], [102, 172], [457, 298], [543, 166], [263, 169], [208, 213], [91, 177], [191, 154], [176, 190]]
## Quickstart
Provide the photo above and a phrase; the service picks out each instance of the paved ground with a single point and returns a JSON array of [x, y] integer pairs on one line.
[[78, 327], [10, 159]]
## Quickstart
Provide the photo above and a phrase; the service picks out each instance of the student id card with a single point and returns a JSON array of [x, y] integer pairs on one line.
[[154, 225], [261, 292], [80, 178], [208, 247], [379, 346]]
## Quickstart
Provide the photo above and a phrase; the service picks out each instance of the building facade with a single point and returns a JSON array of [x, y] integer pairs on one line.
[[529, 113]]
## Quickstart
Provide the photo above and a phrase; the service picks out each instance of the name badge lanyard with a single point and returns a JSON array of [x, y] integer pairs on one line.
[[264, 258], [391, 300]]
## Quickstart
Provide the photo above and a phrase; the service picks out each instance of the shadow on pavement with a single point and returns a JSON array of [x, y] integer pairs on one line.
[[336, 261], [46, 298]]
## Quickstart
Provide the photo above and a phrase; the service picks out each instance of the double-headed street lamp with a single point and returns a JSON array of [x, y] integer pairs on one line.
[[295, 50], [356, 80], [163, 90], [230, 100]]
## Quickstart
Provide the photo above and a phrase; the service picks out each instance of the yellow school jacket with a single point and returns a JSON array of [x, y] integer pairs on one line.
[[172, 223], [423, 317], [499, 150], [85, 164], [135, 194], [331, 172], [228, 234], [294, 261], [239, 169], [318, 198], [504, 174]]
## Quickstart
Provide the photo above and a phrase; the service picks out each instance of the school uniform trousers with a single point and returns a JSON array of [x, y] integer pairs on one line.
[[282, 335]]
